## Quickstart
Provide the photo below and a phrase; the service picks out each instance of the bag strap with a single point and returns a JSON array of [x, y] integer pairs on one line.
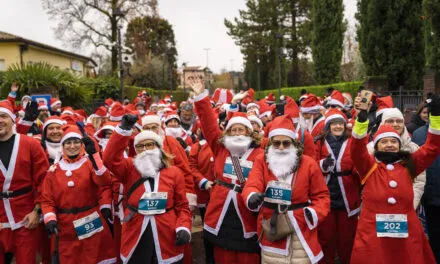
[[238, 170], [302, 135], [135, 186], [369, 173]]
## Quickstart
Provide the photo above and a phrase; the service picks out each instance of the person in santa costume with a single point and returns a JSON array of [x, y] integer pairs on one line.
[[389, 230], [55, 106], [173, 129], [157, 219], [104, 133], [71, 202], [229, 225], [311, 118], [43, 112], [337, 232], [283, 181], [201, 162], [23, 166], [188, 121]]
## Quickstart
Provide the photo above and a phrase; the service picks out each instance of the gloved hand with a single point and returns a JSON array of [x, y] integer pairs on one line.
[[31, 112], [52, 227], [238, 97], [362, 116], [309, 215], [128, 121], [434, 105], [106, 213], [255, 200], [328, 164], [182, 237], [89, 146]]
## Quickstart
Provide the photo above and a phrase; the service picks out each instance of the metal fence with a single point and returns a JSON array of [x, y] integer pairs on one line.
[[406, 99]]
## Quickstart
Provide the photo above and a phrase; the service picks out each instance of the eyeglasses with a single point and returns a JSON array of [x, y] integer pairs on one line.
[[392, 121], [149, 145], [238, 131], [285, 143]]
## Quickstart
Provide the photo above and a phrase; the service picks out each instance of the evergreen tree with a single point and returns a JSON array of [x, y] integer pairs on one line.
[[390, 35], [431, 10], [327, 38]]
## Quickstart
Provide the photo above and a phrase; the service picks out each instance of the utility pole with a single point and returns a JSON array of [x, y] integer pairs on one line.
[[207, 56]]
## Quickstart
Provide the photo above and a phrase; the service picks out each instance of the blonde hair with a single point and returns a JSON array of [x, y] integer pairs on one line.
[[255, 136], [166, 158]]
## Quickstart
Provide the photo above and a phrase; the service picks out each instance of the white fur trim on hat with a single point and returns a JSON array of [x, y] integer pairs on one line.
[[267, 114], [151, 119], [168, 118], [256, 120], [53, 121], [67, 112], [312, 109], [388, 113], [385, 135], [116, 118], [283, 132], [71, 135], [55, 103], [252, 105], [332, 117], [239, 120], [146, 134], [108, 127], [8, 112], [334, 102]]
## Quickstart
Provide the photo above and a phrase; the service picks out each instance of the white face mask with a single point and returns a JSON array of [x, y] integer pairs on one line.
[[174, 132], [281, 162], [148, 162], [237, 145]]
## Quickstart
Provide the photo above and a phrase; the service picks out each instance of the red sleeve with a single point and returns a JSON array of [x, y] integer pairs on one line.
[[48, 205], [113, 156], [23, 127], [309, 145], [40, 165], [102, 179], [362, 160], [194, 164], [255, 182], [181, 203], [208, 121]]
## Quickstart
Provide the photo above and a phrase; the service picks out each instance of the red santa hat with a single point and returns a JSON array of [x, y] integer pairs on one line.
[[385, 131], [117, 113], [265, 110], [349, 98], [154, 104], [53, 120], [282, 126], [106, 126], [173, 106], [335, 114], [151, 118], [255, 119], [252, 104], [42, 106], [54, 101], [68, 119], [162, 103], [384, 103], [171, 115], [68, 111], [249, 98], [71, 132], [291, 109], [222, 96], [311, 104], [302, 97], [270, 98], [167, 98], [6, 107], [101, 112], [81, 112], [336, 98], [109, 102], [239, 118], [147, 134]]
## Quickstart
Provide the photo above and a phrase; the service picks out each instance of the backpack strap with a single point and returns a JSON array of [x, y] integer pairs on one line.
[[369, 173], [302, 135]]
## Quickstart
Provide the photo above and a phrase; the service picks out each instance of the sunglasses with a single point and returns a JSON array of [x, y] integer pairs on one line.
[[285, 143], [149, 145]]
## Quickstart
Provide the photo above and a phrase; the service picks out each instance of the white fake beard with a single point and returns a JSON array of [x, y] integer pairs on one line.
[[103, 143], [149, 162], [141, 112], [54, 150], [306, 123], [237, 145], [174, 132], [281, 162]]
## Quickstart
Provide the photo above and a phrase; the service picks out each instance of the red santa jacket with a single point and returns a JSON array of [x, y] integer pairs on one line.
[[221, 196], [388, 189], [70, 185], [164, 226], [309, 186], [27, 168], [201, 162], [349, 180]]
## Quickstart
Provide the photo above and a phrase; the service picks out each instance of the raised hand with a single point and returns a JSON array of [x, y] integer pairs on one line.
[[197, 85], [14, 87], [239, 97], [31, 112], [128, 121]]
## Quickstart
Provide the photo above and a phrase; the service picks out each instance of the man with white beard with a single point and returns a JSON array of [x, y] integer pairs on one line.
[[311, 117], [157, 219], [229, 225], [288, 190]]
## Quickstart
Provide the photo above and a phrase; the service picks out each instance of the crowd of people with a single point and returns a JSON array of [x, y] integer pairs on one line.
[[306, 180]]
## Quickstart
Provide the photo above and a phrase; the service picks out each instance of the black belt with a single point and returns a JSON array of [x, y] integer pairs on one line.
[[275, 206], [75, 210], [12, 194], [234, 187], [341, 173]]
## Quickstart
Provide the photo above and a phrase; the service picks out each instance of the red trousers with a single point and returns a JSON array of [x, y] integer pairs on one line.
[[336, 235], [117, 229], [187, 254], [21, 242], [44, 244], [223, 256]]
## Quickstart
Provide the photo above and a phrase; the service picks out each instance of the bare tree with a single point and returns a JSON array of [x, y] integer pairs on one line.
[[95, 22]]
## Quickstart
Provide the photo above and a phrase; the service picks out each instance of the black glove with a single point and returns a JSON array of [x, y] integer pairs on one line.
[[434, 105], [107, 215], [362, 116], [309, 215], [31, 112], [89, 145], [128, 121], [52, 227], [255, 200], [328, 162], [182, 237]]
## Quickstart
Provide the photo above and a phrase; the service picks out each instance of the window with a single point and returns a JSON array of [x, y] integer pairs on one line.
[[2, 65]]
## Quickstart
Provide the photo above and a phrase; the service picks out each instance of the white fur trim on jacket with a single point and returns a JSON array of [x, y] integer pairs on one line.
[[201, 96], [192, 199], [314, 215]]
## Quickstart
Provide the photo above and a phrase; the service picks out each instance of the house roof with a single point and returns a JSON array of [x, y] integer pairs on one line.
[[7, 37]]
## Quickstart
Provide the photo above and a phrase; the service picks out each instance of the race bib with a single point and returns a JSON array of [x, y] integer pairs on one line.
[[153, 203], [278, 192], [88, 226], [392, 225], [229, 171]]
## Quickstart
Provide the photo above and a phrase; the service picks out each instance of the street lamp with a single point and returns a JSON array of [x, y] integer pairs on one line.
[[258, 75], [279, 50], [170, 54], [183, 70], [118, 13]]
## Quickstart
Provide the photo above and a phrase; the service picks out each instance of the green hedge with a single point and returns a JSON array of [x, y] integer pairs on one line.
[[318, 90]]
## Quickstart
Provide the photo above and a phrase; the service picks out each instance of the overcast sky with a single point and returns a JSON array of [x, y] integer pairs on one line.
[[198, 24]]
